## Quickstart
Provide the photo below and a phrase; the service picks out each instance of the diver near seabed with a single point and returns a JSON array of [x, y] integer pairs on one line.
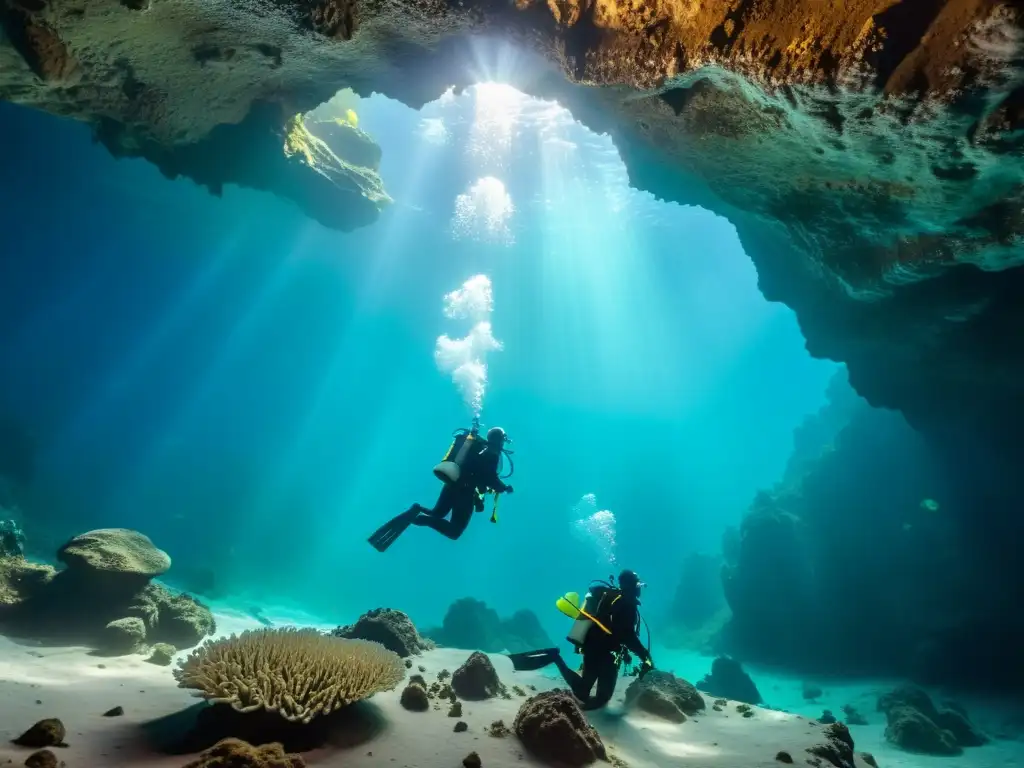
[[469, 470], [606, 632]]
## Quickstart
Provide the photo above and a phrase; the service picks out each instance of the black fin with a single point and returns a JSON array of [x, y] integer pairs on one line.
[[532, 660], [388, 533]]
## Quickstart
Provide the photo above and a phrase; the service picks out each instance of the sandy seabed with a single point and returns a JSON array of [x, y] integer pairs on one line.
[[78, 687]]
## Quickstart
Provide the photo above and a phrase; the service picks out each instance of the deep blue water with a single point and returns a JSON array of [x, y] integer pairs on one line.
[[258, 393]]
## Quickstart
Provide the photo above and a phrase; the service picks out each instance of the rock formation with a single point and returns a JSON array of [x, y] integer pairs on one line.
[[869, 159], [392, 629], [552, 726], [476, 679], [827, 562], [472, 625], [728, 680], [665, 695], [103, 597], [697, 607], [915, 724]]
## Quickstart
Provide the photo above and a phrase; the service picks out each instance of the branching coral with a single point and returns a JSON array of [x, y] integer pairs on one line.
[[298, 673]]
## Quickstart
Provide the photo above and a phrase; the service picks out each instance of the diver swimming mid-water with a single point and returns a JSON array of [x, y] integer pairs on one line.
[[605, 632], [468, 471]]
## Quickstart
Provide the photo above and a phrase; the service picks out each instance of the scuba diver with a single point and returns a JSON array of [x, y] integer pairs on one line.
[[469, 470], [605, 633]]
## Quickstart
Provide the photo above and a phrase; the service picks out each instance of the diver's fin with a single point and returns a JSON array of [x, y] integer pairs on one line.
[[388, 533], [531, 660]]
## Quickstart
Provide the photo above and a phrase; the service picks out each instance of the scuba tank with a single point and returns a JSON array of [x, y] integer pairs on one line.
[[449, 470], [590, 614]]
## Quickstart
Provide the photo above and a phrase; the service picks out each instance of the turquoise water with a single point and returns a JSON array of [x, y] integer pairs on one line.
[[258, 393]]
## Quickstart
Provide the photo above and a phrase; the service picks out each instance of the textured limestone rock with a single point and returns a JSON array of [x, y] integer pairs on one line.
[[870, 159], [20, 581], [552, 726], [115, 551], [123, 636], [476, 679], [392, 629], [45, 733], [665, 695]]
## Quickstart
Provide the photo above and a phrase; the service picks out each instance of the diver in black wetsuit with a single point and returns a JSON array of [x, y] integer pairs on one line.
[[603, 648], [477, 475]]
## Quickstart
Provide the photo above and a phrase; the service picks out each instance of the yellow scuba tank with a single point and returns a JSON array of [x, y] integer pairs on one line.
[[450, 468], [569, 605]]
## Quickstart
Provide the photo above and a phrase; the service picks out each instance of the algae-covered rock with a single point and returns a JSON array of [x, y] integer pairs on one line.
[[552, 727], [665, 695], [162, 654], [414, 698], [837, 747], [476, 679], [44, 758], [115, 551], [21, 581], [963, 730], [392, 629], [912, 730], [348, 142], [176, 619], [235, 753], [123, 636], [49, 732]]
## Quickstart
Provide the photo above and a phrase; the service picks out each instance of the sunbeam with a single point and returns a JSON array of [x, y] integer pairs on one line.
[[115, 383], [150, 463]]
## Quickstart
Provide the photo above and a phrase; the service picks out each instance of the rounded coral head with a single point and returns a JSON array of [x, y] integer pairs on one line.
[[115, 550]]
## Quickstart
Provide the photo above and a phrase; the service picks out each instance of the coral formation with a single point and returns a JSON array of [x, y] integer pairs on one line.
[[552, 727], [392, 629], [114, 550], [177, 620], [476, 679], [103, 597], [298, 673], [123, 636], [727, 679], [20, 582], [162, 654], [665, 695], [234, 753]]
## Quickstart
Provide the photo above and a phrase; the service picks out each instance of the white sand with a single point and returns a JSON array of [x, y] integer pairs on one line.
[[69, 683]]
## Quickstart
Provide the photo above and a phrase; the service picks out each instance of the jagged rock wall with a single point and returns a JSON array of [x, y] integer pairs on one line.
[[870, 158], [880, 558]]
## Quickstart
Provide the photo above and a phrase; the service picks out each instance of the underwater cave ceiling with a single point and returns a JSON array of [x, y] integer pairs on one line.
[[872, 159]]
